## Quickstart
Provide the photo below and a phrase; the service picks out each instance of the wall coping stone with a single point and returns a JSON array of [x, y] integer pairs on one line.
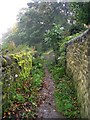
[[81, 38]]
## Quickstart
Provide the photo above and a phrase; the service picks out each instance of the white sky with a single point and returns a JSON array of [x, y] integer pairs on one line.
[[8, 12]]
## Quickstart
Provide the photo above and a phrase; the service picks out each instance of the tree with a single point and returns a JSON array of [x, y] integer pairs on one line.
[[34, 21], [53, 37], [82, 12], [76, 28]]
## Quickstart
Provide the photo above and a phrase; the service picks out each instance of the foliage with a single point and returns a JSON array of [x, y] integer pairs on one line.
[[42, 24], [37, 72], [56, 38], [53, 37], [21, 83], [34, 21], [11, 48], [23, 60], [8, 47], [39, 17], [81, 10], [62, 50], [13, 76], [76, 28], [65, 94]]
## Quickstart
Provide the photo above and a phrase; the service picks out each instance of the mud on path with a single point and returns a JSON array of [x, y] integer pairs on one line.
[[47, 107]]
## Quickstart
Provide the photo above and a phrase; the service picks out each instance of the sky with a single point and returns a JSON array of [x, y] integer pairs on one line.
[[8, 12]]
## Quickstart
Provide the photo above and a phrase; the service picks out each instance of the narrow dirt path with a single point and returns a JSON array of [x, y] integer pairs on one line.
[[47, 107]]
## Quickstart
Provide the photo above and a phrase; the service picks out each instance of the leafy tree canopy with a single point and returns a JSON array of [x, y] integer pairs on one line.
[[34, 21], [82, 12]]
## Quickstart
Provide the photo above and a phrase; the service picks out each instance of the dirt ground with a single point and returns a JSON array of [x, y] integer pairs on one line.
[[47, 107]]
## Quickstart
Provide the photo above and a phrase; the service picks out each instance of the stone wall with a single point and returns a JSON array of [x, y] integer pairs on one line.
[[78, 64]]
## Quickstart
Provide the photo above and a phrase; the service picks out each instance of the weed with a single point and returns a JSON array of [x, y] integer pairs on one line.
[[65, 94]]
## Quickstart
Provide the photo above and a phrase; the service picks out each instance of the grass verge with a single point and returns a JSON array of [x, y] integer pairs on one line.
[[65, 93]]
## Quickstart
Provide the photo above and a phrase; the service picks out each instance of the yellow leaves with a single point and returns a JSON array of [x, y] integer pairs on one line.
[[27, 110], [24, 60], [34, 104], [4, 96], [25, 86], [4, 114], [8, 113]]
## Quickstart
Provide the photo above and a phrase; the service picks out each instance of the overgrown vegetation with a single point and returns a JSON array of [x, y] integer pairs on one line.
[[21, 83], [65, 93], [81, 11], [43, 26]]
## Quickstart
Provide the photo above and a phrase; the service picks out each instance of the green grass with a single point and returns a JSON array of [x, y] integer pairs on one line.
[[65, 94]]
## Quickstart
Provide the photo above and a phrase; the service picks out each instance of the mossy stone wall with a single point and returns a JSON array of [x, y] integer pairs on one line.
[[78, 65]]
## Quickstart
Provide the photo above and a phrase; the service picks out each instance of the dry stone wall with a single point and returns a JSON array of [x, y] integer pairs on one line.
[[78, 64]]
